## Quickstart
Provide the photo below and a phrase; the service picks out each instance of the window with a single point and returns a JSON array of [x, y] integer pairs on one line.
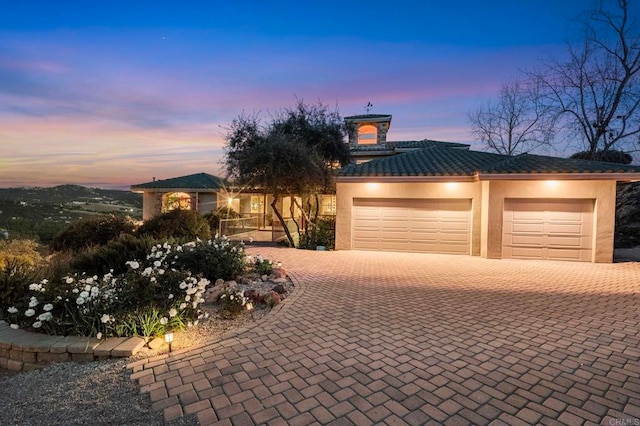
[[257, 205], [176, 200], [367, 134], [328, 205]]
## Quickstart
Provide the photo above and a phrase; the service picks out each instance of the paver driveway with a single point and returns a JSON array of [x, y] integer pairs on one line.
[[391, 338]]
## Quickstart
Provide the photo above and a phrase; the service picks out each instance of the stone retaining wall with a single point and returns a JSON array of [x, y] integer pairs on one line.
[[23, 351]]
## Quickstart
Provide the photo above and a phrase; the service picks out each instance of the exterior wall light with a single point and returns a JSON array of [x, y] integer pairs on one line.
[[551, 183], [451, 185], [372, 186]]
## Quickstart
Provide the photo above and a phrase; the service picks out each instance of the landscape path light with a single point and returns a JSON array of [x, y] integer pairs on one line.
[[168, 337], [249, 306]]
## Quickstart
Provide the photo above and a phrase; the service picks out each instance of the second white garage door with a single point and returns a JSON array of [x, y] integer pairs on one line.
[[414, 225], [548, 229]]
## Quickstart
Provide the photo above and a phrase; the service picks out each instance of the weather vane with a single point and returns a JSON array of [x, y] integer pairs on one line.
[[368, 107]]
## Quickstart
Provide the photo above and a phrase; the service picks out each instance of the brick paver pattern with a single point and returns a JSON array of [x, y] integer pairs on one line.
[[407, 338]]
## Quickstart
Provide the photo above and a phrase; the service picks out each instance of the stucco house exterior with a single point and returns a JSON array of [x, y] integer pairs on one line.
[[438, 197], [444, 198]]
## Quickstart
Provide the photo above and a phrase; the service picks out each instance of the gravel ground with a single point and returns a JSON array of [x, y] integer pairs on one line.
[[99, 393]]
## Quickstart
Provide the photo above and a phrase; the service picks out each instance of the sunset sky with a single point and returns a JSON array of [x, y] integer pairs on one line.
[[111, 94]]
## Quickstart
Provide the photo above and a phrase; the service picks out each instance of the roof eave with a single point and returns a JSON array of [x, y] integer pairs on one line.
[[142, 189], [618, 177], [400, 179]]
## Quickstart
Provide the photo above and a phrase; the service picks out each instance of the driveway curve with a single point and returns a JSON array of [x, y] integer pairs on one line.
[[402, 338]]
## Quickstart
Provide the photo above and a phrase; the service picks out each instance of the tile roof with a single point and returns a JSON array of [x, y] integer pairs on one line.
[[447, 161], [196, 181], [391, 146], [367, 117], [529, 163]]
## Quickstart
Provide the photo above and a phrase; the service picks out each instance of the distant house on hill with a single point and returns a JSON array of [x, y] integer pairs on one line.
[[200, 192]]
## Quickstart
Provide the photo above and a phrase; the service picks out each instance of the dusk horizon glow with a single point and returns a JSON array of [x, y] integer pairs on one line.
[[115, 94]]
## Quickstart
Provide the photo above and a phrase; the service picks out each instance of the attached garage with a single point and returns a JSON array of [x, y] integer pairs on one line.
[[413, 225], [558, 229], [453, 200]]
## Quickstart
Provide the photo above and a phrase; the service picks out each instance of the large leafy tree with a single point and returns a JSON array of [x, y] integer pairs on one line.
[[595, 90], [295, 153]]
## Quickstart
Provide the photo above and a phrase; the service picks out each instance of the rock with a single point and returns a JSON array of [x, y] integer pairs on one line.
[[279, 280], [231, 285], [252, 295], [156, 343], [219, 282], [246, 281], [272, 299], [213, 295], [264, 278], [279, 289], [279, 273]]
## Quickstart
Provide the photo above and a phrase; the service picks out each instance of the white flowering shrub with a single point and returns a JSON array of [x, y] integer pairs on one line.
[[149, 297], [259, 265], [232, 303]]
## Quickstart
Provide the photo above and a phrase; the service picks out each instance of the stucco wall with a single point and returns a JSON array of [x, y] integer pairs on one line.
[[150, 205], [346, 192], [207, 202], [603, 192]]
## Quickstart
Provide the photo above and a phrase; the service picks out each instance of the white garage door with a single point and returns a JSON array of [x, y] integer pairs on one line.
[[432, 226], [548, 229]]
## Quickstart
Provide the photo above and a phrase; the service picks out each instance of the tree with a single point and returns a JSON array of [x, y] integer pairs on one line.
[[296, 153], [596, 91], [610, 156], [515, 122]]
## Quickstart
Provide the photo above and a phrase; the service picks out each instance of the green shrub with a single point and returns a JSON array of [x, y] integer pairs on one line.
[[213, 259], [183, 225], [113, 255], [90, 231], [323, 234]]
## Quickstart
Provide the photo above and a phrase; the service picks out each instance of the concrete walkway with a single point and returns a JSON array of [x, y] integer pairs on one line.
[[391, 338]]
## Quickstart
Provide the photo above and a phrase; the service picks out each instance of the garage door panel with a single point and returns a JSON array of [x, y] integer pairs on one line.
[[458, 239], [574, 242], [565, 228], [526, 240], [451, 248], [366, 244], [423, 214], [435, 226], [548, 229], [532, 228]]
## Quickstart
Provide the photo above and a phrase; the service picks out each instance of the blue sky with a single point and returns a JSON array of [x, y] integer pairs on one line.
[[111, 94]]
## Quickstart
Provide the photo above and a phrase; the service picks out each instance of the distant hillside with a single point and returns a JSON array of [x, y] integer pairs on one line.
[[71, 193], [42, 212]]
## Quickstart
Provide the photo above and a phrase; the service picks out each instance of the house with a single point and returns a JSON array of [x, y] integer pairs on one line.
[[445, 198], [436, 197], [206, 193]]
